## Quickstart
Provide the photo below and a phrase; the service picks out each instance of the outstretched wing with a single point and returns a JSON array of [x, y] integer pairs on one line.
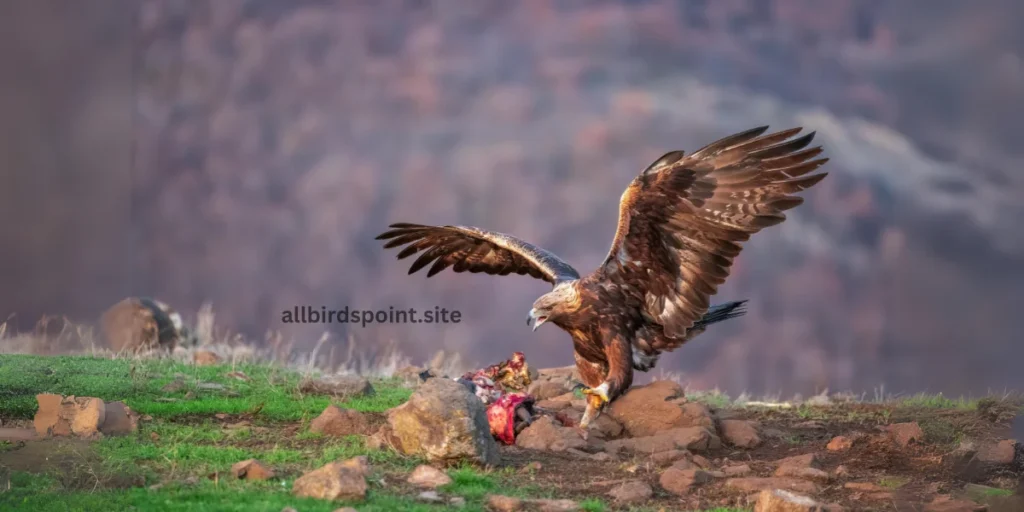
[[682, 220], [468, 249]]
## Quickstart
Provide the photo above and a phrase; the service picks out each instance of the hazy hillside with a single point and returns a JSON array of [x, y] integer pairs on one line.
[[273, 139]]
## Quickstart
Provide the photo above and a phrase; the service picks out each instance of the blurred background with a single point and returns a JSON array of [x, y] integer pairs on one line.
[[246, 152]]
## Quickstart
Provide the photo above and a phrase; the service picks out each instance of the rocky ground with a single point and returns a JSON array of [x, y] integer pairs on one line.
[[83, 433]]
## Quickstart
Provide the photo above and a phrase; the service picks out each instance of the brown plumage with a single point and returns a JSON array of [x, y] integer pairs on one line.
[[682, 221]]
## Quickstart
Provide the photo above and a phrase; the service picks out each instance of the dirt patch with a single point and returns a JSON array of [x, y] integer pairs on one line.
[[72, 462]]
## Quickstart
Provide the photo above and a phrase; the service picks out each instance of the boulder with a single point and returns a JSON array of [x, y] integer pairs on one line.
[[547, 434], [338, 422], [647, 410], [443, 421], [740, 433], [334, 481]]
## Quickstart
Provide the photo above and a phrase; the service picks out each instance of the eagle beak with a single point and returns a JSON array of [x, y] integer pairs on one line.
[[535, 320]]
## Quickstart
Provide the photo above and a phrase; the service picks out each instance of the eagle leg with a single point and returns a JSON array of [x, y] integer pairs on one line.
[[619, 378], [596, 400]]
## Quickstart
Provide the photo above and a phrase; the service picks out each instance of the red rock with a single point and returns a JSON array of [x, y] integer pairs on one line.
[[337, 422], [737, 471], [840, 444], [778, 500], [545, 434], [752, 484], [739, 433], [682, 481], [334, 481], [48, 414], [252, 469], [635, 491], [669, 456], [905, 434], [428, 477], [647, 410], [1001, 453], [205, 358]]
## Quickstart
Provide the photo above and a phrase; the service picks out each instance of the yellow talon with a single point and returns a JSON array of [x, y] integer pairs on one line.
[[597, 396]]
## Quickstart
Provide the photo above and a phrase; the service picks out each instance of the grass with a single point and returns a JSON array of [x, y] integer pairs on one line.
[[205, 390], [186, 452]]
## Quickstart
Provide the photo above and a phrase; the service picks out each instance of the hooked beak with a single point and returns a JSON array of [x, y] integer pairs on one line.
[[535, 320]]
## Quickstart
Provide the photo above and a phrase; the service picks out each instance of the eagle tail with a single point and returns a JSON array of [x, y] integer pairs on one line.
[[719, 313]]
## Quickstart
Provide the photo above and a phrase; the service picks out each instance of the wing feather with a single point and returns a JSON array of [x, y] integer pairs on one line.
[[474, 250], [683, 219]]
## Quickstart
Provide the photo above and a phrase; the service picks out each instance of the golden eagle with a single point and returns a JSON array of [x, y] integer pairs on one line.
[[681, 223]]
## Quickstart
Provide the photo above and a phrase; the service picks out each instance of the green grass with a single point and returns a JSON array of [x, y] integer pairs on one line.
[[140, 384], [184, 443], [937, 401]]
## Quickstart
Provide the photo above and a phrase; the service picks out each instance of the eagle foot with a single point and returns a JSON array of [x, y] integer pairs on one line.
[[597, 396]]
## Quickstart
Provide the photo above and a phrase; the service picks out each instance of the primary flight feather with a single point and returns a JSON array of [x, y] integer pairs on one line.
[[682, 222]]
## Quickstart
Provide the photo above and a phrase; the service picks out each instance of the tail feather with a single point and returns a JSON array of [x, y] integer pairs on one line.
[[721, 312], [650, 341]]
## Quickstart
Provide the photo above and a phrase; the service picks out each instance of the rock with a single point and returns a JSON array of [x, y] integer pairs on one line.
[[669, 456], [428, 477], [736, 471], [48, 415], [840, 444], [694, 439], [778, 500], [553, 405], [802, 466], [739, 433], [950, 504], [457, 501], [546, 434], [334, 481], [631, 492], [119, 420], [252, 469], [205, 358], [338, 422], [443, 421], [379, 439], [359, 463], [682, 481], [500, 503], [89, 414], [567, 398], [1001, 453], [807, 460], [752, 484], [544, 390], [696, 414], [429, 497], [841, 471], [341, 386], [868, 487], [904, 434], [647, 410]]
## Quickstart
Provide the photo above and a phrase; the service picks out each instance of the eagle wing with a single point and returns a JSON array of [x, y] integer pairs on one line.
[[469, 249], [683, 219]]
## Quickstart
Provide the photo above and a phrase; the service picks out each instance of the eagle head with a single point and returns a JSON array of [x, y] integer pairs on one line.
[[559, 302]]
